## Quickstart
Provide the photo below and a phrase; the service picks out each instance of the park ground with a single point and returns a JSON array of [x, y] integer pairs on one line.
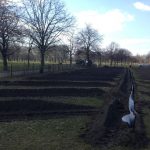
[[58, 111]]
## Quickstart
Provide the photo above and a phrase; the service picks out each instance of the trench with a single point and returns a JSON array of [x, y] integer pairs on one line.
[[108, 130]]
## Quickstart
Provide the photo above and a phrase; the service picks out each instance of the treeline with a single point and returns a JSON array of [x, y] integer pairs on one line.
[[35, 30]]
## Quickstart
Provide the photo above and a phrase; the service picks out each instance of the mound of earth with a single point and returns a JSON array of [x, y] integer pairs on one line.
[[108, 130]]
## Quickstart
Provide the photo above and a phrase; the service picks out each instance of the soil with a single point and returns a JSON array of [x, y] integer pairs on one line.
[[32, 109], [26, 92], [110, 131], [88, 80], [92, 74], [144, 72], [106, 130], [56, 83]]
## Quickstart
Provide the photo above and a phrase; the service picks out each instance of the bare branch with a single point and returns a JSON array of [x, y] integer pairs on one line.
[[88, 38], [46, 20]]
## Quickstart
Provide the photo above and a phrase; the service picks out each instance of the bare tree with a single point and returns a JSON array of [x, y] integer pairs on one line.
[[30, 45], [99, 53], [148, 58], [111, 49], [71, 45], [46, 20], [80, 55], [88, 38], [9, 29]]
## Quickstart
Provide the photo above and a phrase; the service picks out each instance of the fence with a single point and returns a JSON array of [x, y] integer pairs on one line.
[[24, 69]]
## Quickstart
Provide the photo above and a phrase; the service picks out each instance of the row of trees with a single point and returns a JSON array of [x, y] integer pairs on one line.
[[36, 28], [112, 55], [10, 30], [39, 21]]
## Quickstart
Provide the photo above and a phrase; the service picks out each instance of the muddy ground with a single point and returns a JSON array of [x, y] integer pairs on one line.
[[105, 130], [26, 92], [55, 83], [93, 74], [108, 130], [80, 83]]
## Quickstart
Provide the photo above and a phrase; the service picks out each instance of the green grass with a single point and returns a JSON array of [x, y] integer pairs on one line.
[[23, 65], [143, 85], [52, 134], [147, 120], [20, 65], [86, 101]]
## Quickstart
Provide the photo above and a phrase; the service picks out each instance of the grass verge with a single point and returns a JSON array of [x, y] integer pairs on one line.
[[52, 134]]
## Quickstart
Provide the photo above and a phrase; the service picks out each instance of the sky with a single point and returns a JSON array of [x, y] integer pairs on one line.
[[125, 22]]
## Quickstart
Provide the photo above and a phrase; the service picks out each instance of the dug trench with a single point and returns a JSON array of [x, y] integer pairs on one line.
[[39, 109], [21, 99], [108, 130], [17, 96]]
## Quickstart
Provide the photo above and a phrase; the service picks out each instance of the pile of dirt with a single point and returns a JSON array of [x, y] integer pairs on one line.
[[108, 129], [58, 91], [31, 109], [92, 74], [80, 83], [37, 105], [55, 83]]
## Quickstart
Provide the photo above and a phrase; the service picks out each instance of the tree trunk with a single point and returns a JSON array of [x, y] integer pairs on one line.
[[42, 62], [100, 60], [5, 64], [111, 61], [28, 59], [88, 54], [70, 58]]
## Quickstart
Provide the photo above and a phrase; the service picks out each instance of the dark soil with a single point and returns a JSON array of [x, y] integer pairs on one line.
[[87, 81], [144, 72], [108, 130], [82, 92], [56, 83], [31, 109], [92, 74], [146, 93], [36, 105]]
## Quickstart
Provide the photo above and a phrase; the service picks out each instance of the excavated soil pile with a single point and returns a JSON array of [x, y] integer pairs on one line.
[[30, 96], [108, 130]]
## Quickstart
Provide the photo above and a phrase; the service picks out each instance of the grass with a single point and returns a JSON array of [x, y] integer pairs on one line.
[[23, 65], [20, 65], [59, 133], [85, 101], [146, 111], [52, 134], [143, 86]]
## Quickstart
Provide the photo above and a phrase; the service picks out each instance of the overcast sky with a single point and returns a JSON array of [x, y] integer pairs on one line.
[[126, 22]]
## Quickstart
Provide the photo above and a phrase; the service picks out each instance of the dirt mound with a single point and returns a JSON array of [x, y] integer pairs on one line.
[[92, 74], [108, 129], [36, 105], [26, 92], [55, 83]]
